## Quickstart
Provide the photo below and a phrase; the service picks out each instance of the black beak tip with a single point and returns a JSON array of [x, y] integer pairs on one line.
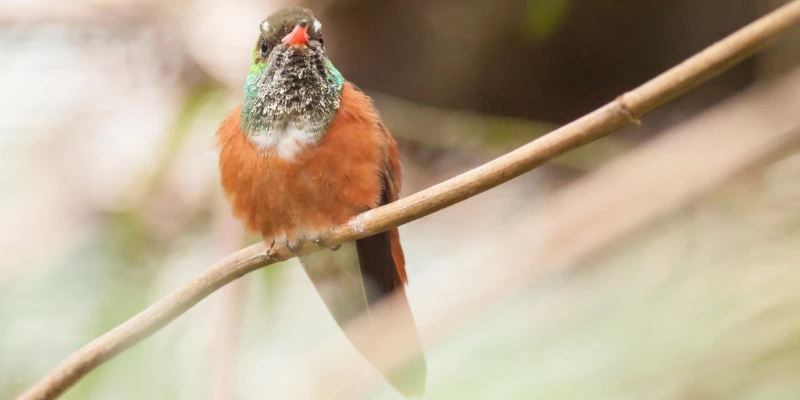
[[303, 23]]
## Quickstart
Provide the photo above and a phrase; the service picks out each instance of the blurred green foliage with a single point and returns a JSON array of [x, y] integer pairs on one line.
[[543, 18]]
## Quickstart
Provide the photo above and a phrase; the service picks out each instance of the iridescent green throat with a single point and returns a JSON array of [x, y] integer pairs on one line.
[[297, 86]]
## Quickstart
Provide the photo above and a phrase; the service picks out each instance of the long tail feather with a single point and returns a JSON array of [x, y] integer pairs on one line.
[[351, 280]]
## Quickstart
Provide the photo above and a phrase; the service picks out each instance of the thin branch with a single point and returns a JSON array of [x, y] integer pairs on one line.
[[481, 134], [456, 129], [477, 133], [624, 111], [679, 166]]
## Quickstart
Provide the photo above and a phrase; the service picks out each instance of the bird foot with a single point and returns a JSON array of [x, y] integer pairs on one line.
[[294, 246], [319, 240]]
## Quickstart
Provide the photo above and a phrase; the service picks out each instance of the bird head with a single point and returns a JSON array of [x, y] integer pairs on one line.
[[291, 79]]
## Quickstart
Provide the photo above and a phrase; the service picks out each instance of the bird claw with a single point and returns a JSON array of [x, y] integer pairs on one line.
[[319, 240], [294, 246]]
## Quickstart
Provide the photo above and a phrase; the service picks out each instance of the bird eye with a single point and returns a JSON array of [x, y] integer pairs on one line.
[[264, 48], [321, 42]]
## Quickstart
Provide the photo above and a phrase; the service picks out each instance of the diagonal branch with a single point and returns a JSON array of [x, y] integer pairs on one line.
[[613, 116], [674, 170]]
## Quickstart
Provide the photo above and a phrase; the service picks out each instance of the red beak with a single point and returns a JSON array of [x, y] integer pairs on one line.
[[298, 35]]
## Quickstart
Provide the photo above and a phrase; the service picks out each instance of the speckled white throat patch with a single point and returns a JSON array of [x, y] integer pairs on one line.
[[286, 141]]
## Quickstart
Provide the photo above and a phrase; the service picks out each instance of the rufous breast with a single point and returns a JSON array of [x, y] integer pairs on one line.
[[322, 185]]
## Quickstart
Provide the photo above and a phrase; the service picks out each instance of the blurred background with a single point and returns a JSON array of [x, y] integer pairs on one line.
[[660, 262]]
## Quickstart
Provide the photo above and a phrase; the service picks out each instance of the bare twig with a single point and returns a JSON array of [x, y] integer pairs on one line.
[[481, 134], [680, 165], [458, 129], [627, 109]]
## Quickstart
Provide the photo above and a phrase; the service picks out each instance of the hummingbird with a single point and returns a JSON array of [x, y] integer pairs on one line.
[[306, 151]]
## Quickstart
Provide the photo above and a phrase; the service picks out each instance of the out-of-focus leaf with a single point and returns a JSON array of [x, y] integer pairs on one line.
[[543, 18]]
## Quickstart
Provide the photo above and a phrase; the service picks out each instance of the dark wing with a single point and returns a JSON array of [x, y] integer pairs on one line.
[[377, 263], [382, 267], [380, 256]]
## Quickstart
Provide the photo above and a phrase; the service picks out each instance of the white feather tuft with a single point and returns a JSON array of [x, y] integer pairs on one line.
[[286, 141]]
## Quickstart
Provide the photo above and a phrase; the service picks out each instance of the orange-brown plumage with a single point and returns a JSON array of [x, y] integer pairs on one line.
[[393, 193], [323, 187]]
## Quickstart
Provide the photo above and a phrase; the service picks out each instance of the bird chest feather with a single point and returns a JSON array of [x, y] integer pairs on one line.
[[327, 179]]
